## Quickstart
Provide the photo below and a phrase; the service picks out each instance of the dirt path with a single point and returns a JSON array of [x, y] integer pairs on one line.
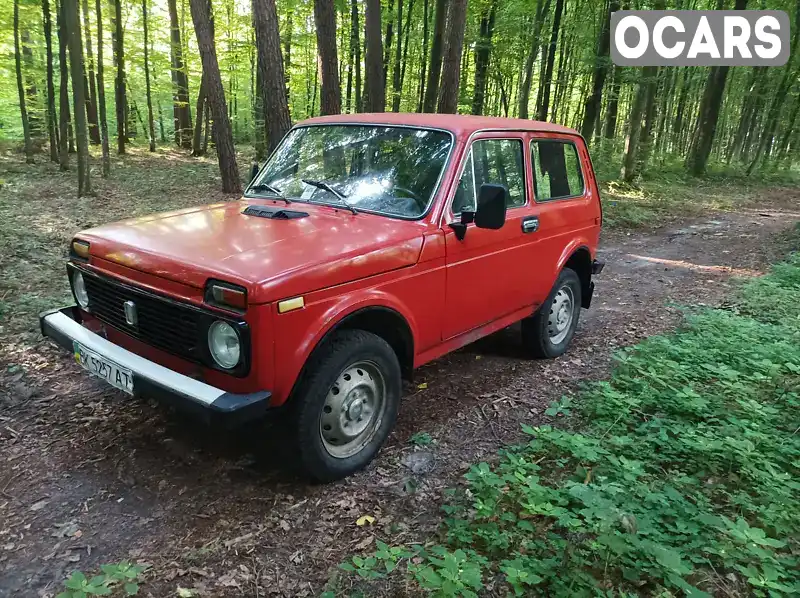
[[87, 477]]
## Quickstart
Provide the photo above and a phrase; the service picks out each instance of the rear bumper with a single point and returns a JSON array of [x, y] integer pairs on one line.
[[153, 380]]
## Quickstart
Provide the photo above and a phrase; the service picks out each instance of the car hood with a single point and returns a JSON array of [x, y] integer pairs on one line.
[[272, 258]]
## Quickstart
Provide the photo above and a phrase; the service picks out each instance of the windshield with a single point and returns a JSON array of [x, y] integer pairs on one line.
[[377, 168]]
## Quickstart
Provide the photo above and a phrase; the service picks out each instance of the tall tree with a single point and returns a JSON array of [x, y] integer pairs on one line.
[[226, 153], [708, 113], [435, 66], [91, 99], [181, 114], [63, 92], [72, 25], [101, 90], [483, 49], [26, 126], [120, 96], [150, 127], [631, 157], [354, 62], [199, 115], [374, 88], [397, 70], [325, 21], [52, 125], [591, 108], [421, 88], [451, 60], [270, 65], [547, 74], [542, 8], [612, 108]]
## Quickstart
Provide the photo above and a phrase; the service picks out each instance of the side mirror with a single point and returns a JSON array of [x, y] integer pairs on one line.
[[491, 211], [254, 171]]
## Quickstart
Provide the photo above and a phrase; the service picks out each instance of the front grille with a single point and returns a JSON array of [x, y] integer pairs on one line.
[[160, 323]]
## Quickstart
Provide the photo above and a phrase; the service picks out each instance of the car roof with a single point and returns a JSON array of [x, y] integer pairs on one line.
[[459, 124]]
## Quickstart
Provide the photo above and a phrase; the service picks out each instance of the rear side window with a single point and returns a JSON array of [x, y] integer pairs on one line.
[[496, 161], [557, 169]]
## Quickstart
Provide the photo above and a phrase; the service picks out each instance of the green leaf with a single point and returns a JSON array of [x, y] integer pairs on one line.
[[131, 589]]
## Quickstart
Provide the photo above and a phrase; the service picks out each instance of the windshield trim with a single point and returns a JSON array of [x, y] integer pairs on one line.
[[434, 193]]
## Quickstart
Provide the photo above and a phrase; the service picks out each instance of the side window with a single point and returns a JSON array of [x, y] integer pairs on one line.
[[556, 169], [496, 161]]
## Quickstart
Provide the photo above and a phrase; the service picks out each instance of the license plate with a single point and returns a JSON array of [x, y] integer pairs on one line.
[[117, 376]]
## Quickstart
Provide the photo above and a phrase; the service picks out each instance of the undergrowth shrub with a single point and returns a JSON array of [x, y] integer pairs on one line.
[[684, 480]]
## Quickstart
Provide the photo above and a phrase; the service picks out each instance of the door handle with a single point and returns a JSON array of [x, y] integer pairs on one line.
[[530, 224]]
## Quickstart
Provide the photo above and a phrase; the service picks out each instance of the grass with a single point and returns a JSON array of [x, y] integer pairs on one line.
[[684, 478]]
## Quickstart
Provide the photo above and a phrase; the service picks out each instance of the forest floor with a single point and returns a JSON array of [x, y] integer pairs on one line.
[[88, 477]]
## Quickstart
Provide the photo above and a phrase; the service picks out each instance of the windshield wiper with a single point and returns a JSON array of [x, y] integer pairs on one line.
[[264, 187], [332, 190]]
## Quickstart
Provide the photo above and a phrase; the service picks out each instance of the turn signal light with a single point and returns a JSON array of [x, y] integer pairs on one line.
[[225, 295], [80, 249]]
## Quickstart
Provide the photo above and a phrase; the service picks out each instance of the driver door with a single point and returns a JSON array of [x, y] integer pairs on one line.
[[486, 269]]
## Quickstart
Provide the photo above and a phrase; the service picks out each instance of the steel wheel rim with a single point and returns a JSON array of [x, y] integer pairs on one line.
[[562, 309], [353, 409]]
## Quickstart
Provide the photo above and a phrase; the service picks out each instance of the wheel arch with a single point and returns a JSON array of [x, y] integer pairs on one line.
[[579, 259]]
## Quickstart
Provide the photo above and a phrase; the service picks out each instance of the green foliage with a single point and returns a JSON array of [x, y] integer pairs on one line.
[[421, 439], [685, 480], [122, 578]]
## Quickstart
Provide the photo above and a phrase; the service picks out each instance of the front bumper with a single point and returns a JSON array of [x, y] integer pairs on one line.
[[153, 380]]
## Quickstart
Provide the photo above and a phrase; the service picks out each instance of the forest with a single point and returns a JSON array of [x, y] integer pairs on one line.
[[226, 77]]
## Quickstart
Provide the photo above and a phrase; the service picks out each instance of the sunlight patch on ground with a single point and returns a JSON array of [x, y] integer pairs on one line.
[[744, 272]]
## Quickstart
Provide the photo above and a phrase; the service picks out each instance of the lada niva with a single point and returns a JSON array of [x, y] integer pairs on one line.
[[366, 246]]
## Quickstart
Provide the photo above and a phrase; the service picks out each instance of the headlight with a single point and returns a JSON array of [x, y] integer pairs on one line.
[[223, 342], [79, 289]]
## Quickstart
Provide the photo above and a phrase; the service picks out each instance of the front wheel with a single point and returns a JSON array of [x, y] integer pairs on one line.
[[549, 331], [346, 404]]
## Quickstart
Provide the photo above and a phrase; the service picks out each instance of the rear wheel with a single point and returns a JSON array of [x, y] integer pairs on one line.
[[549, 331], [346, 404]]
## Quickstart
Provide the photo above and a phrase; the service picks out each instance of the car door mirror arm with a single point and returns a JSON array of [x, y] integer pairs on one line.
[[460, 227]]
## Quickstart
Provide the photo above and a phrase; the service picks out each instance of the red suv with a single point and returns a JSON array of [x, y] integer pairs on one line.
[[365, 247]]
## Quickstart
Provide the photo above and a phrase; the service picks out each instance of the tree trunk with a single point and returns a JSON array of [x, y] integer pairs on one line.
[[612, 109], [63, 100], [26, 127], [91, 103], [591, 108], [226, 153], [551, 56], [451, 61], [150, 126], [525, 91], [374, 89], [181, 114], [435, 66], [72, 25], [398, 57], [387, 44], [483, 51], [629, 164], [101, 91], [199, 112], [708, 114], [120, 97], [407, 29], [354, 60], [270, 65], [325, 21], [646, 138], [423, 62], [52, 127]]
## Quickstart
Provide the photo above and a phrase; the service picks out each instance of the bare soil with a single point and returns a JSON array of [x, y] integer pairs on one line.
[[88, 476]]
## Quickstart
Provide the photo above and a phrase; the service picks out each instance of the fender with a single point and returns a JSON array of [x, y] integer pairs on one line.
[[318, 321], [574, 245]]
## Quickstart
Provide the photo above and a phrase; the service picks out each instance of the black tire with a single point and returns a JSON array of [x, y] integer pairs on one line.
[[336, 356], [537, 336]]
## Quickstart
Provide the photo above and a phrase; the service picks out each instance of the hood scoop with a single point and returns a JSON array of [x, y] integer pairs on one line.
[[273, 213]]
